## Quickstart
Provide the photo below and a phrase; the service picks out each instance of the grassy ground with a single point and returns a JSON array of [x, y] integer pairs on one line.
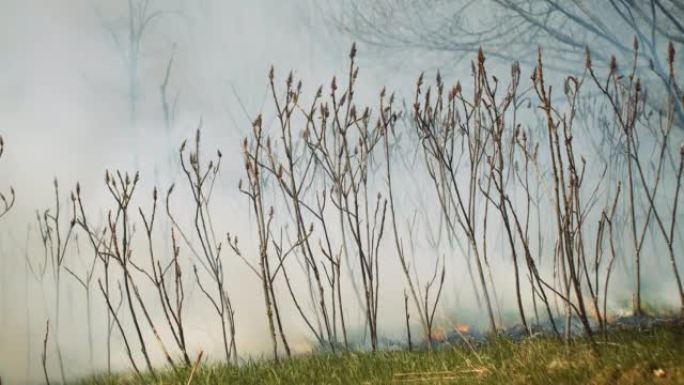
[[628, 357]]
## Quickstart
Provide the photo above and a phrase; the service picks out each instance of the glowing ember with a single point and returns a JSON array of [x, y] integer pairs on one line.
[[438, 335], [462, 328]]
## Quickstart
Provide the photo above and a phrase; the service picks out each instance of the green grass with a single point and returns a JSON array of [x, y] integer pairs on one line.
[[628, 357]]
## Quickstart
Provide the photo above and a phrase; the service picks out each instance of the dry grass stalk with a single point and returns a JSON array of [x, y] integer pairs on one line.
[[7, 200]]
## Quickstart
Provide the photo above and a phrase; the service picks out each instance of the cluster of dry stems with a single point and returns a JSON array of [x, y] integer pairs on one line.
[[322, 186]]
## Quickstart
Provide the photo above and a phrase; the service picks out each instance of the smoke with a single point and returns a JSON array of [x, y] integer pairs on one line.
[[65, 113]]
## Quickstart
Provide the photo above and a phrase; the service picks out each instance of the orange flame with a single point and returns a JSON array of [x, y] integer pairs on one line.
[[438, 335], [462, 328]]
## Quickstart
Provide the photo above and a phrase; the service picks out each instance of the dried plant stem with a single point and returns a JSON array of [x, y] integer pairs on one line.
[[44, 356], [194, 367]]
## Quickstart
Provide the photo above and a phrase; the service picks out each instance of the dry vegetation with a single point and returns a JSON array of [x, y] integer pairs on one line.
[[324, 189]]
